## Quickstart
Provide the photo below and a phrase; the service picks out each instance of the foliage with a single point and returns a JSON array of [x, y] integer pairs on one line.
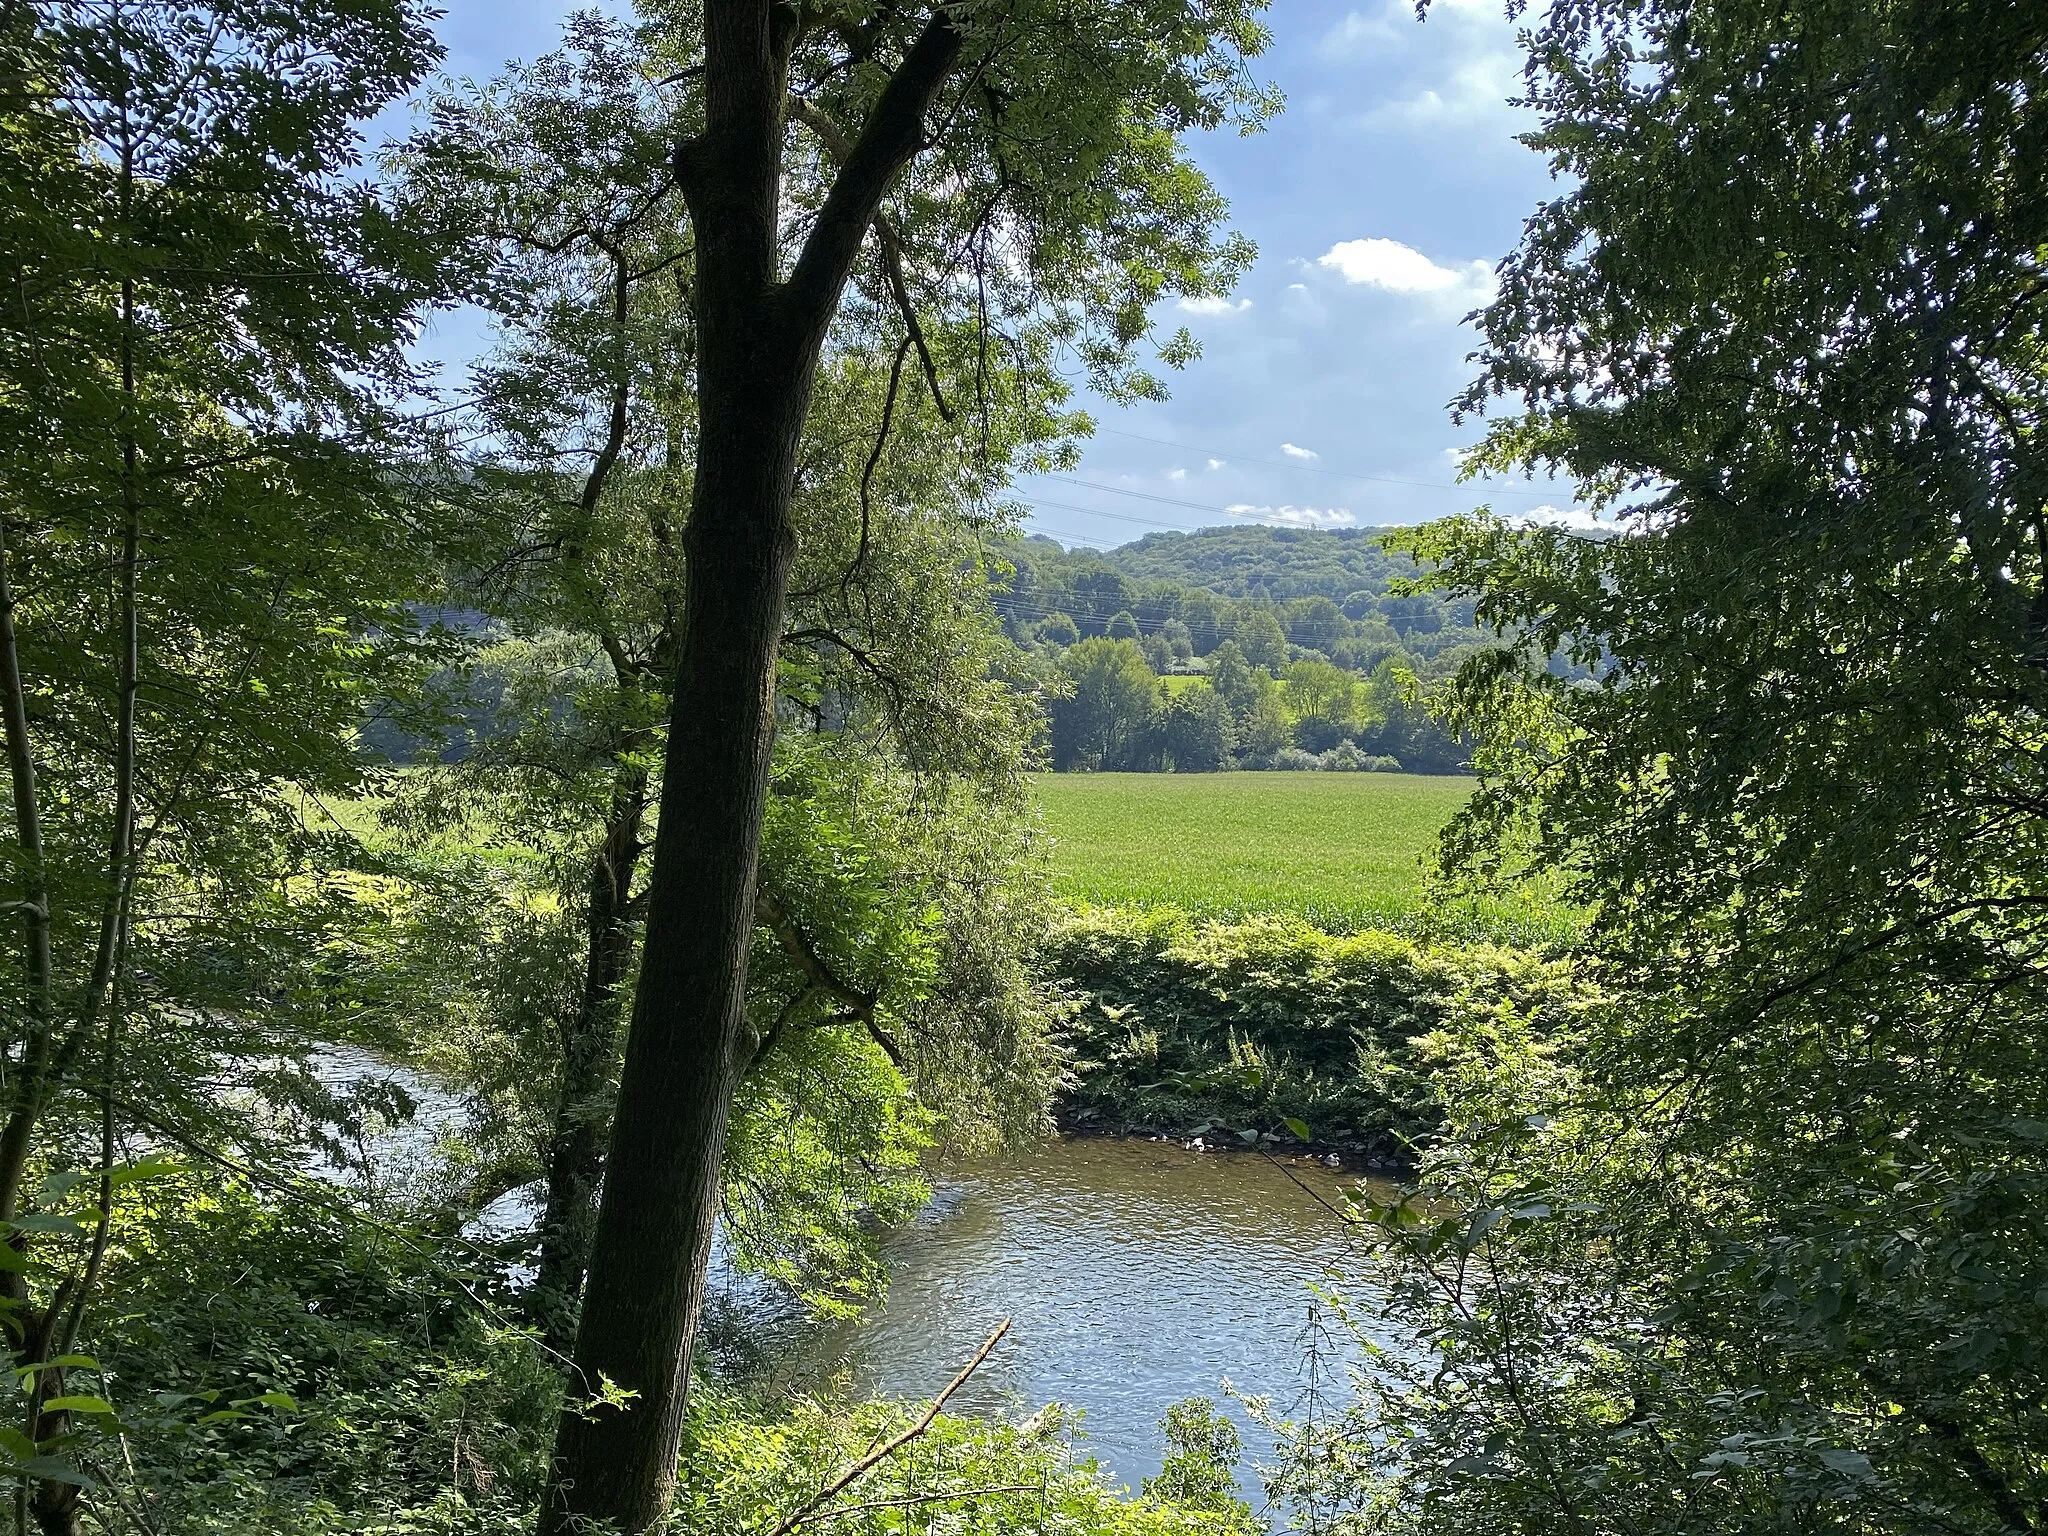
[[1104, 720], [1269, 1025], [887, 996], [970, 1475], [277, 1364], [1771, 1253], [1199, 1469], [1109, 711], [1341, 593], [1193, 732], [212, 547]]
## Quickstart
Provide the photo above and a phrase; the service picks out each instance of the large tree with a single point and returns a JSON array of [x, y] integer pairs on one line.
[[583, 423], [1044, 178], [206, 550], [1774, 1255]]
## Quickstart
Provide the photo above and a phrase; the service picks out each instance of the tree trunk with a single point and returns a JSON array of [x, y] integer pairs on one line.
[[661, 1180], [758, 345], [582, 1119]]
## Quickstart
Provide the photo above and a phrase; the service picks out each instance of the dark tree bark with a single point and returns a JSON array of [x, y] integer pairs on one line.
[[582, 1120], [759, 338]]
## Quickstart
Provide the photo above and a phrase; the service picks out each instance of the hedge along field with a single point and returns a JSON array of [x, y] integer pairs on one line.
[[1343, 852]]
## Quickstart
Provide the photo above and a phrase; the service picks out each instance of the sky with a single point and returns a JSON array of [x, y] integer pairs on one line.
[[1379, 199]]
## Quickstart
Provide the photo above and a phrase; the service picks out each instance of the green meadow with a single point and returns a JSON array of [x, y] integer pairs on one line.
[[1342, 851]]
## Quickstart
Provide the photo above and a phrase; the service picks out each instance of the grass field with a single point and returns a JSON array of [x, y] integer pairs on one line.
[[1344, 851]]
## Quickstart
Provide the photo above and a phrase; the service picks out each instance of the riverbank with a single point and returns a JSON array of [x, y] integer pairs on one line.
[[1270, 1033]]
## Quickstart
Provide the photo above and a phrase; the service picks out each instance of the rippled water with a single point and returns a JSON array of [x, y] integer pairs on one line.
[[1136, 1274]]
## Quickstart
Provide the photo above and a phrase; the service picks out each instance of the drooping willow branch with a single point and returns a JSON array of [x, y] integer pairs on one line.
[[819, 979]]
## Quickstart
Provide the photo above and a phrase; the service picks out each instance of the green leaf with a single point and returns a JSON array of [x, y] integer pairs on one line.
[[79, 1404], [1298, 1129], [49, 1469], [65, 1362], [47, 1221], [283, 1400], [58, 1185], [146, 1168]]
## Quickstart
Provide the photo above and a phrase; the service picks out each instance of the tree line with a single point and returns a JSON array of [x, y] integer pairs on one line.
[[1108, 710], [1166, 673]]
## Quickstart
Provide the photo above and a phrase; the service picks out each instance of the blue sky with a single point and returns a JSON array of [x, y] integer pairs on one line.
[[1379, 200]]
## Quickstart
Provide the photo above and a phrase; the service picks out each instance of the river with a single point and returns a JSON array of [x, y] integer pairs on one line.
[[1135, 1273]]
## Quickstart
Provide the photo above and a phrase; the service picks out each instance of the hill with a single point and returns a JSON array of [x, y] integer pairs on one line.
[[1209, 579], [1275, 563]]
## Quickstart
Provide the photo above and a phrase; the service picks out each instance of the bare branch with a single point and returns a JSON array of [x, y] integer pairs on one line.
[[890, 1447]]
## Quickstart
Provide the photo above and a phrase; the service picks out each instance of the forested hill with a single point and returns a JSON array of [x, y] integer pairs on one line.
[[1291, 648], [1278, 563], [1321, 584]]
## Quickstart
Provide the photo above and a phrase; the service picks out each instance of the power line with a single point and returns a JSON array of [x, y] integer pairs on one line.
[[1170, 501], [1072, 538], [1121, 517], [1310, 469]]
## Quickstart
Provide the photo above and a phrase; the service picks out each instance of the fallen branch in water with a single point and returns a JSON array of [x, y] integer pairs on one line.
[[889, 1448]]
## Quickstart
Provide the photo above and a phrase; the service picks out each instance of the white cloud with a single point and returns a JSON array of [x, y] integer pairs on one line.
[[1214, 304], [1294, 452], [1216, 463], [1577, 519], [1478, 85], [1176, 473], [1398, 268], [1359, 36], [1462, 66], [1294, 517]]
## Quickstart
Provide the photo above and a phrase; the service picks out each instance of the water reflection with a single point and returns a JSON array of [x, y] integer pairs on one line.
[[1136, 1274]]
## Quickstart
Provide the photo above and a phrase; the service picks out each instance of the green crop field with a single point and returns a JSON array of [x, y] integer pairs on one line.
[[1344, 851]]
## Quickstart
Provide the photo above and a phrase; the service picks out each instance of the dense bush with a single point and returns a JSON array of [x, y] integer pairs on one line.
[[1250, 1025]]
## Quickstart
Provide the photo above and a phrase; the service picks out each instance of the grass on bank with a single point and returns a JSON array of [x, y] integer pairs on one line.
[[1341, 851]]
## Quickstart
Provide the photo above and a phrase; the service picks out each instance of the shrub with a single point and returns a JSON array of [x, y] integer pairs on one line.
[[1252, 1024], [1319, 733]]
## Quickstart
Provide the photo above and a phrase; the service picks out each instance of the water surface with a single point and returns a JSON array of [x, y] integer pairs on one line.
[[1136, 1273]]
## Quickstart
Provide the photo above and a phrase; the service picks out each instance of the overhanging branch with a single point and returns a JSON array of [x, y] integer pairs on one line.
[[894, 133], [821, 980], [890, 244]]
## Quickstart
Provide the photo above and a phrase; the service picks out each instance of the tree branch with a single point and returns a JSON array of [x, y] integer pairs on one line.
[[890, 244], [894, 133], [817, 973], [890, 1447]]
